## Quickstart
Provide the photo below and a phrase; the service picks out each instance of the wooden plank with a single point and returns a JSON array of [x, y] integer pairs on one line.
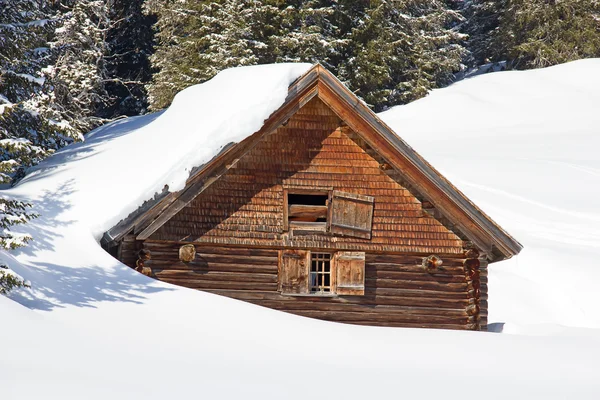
[[350, 273], [294, 271], [307, 212]]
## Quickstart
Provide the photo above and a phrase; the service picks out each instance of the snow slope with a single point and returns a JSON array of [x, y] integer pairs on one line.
[[524, 147], [92, 328]]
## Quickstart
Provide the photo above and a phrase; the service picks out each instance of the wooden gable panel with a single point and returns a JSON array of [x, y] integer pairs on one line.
[[245, 206]]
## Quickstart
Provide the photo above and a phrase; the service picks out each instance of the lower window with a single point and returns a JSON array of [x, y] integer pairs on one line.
[[305, 273]]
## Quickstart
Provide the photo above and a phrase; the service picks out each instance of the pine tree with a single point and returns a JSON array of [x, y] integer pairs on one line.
[[388, 51], [27, 135], [481, 23], [79, 73], [402, 50], [9, 280], [130, 42], [308, 33], [540, 33], [196, 40]]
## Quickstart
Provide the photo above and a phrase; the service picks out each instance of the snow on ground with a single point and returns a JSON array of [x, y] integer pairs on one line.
[[521, 145], [524, 147]]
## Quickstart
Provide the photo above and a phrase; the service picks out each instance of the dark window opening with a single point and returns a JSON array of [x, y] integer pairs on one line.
[[320, 273], [309, 208], [308, 199]]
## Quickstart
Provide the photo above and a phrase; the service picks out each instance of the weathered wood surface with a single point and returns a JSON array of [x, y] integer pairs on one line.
[[245, 206], [127, 252], [398, 291]]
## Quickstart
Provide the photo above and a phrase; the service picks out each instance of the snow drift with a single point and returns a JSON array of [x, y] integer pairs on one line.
[[520, 145]]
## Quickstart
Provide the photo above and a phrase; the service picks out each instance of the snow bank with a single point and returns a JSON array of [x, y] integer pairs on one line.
[[95, 329], [524, 147]]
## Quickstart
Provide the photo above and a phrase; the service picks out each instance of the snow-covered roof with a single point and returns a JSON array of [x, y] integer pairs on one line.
[[467, 219], [161, 149]]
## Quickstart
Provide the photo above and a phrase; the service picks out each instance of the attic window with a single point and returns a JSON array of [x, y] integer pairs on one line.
[[306, 210]]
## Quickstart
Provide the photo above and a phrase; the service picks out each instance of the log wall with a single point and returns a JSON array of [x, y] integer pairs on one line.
[[398, 291]]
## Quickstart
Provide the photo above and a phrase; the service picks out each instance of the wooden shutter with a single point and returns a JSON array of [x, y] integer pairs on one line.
[[293, 271], [350, 215], [350, 273]]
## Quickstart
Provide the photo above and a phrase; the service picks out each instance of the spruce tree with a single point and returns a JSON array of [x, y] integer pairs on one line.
[[540, 33], [402, 50], [129, 44], [388, 51], [196, 40], [308, 33], [481, 24], [78, 75]]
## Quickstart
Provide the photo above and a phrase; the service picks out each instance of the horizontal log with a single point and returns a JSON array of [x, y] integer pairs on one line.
[[216, 258], [256, 297], [207, 267], [209, 284], [211, 249], [415, 259], [454, 271], [384, 291], [357, 308], [414, 276], [215, 276], [372, 317], [401, 284], [388, 247]]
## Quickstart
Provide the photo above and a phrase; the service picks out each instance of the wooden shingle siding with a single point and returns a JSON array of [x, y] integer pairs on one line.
[[245, 206], [398, 292]]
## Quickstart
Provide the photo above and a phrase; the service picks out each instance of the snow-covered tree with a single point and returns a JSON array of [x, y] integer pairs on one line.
[[26, 135], [10, 281], [389, 51], [79, 73], [481, 24], [402, 50], [540, 33], [130, 42], [195, 40], [13, 212], [308, 33]]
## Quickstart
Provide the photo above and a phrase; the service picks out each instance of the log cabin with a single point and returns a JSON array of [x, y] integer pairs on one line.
[[326, 213]]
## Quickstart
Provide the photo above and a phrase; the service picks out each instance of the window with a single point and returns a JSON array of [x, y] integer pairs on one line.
[[320, 273], [307, 273], [306, 210], [339, 213]]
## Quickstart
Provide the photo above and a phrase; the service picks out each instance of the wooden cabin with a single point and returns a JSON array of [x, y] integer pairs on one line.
[[326, 213]]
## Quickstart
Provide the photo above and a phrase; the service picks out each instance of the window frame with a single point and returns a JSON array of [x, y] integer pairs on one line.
[[288, 287], [313, 227], [316, 256]]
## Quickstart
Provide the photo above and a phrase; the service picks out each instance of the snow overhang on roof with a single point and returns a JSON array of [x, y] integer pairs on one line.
[[465, 216]]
